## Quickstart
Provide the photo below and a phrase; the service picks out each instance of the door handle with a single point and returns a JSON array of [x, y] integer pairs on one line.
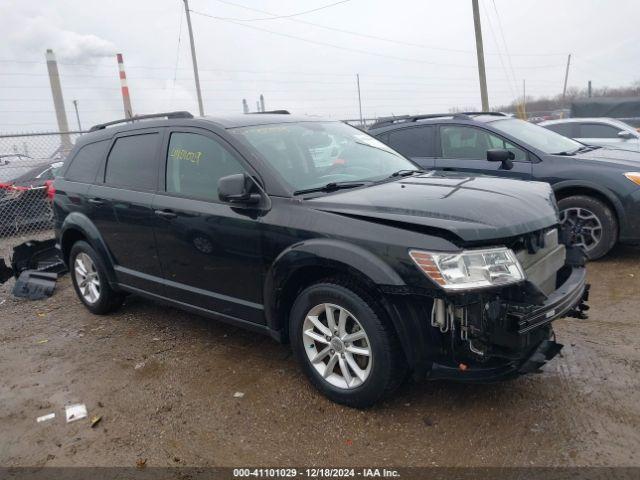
[[165, 213], [96, 201]]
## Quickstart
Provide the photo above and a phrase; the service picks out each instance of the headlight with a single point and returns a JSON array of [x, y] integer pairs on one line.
[[634, 177], [471, 268]]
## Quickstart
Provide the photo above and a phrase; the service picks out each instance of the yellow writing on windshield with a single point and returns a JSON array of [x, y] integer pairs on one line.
[[188, 155]]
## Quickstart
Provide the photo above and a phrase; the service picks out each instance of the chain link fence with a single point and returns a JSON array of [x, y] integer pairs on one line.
[[28, 164]]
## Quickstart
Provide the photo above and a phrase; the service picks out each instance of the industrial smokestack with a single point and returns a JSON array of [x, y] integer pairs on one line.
[[126, 99], [58, 101], [245, 106], [261, 103]]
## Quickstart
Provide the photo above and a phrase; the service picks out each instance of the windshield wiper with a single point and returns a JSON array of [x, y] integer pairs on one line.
[[331, 187], [405, 173]]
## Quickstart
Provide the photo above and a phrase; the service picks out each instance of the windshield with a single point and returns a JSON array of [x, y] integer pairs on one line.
[[312, 154], [536, 136]]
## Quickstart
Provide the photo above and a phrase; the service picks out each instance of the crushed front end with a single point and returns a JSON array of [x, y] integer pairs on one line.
[[487, 334]]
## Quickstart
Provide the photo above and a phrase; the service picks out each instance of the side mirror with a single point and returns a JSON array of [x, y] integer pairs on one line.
[[626, 135], [503, 156], [238, 188]]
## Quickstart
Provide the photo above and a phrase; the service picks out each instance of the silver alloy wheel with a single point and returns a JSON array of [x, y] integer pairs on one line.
[[583, 226], [337, 346], [87, 278]]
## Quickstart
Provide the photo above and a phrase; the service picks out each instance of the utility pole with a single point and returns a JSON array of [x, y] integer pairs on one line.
[[75, 105], [193, 58], [261, 103], [480, 51], [524, 99], [58, 101], [589, 88], [566, 78], [359, 99]]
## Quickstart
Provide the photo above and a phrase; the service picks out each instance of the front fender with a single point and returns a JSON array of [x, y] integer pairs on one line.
[[77, 223], [605, 192], [331, 254]]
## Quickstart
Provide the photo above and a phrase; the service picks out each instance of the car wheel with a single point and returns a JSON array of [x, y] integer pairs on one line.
[[589, 224], [344, 345], [90, 280]]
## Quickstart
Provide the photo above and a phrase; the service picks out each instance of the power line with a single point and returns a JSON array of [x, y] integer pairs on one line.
[[354, 50], [284, 16], [374, 37]]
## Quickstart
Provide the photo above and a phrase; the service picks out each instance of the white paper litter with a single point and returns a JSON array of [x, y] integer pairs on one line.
[[46, 417], [76, 412], [238, 395]]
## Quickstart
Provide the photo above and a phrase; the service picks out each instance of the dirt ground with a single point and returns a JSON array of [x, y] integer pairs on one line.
[[164, 383]]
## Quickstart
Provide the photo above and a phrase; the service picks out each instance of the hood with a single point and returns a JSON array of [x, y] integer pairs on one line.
[[473, 208], [613, 156]]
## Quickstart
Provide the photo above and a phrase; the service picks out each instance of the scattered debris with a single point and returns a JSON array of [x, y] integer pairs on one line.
[[44, 418], [139, 366], [238, 395], [5, 272], [76, 412], [35, 285], [141, 463], [95, 420], [42, 256], [40, 342]]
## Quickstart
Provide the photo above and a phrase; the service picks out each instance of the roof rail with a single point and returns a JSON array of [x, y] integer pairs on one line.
[[495, 114], [180, 114], [386, 121], [277, 112]]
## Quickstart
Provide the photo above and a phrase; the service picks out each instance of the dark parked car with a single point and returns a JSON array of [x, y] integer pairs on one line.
[[598, 189], [370, 268], [26, 193]]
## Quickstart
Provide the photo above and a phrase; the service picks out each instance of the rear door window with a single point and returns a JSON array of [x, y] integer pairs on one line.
[[413, 142], [133, 162], [85, 164], [195, 163], [597, 130]]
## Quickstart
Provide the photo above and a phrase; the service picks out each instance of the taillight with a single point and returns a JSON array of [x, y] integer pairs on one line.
[[51, 191]]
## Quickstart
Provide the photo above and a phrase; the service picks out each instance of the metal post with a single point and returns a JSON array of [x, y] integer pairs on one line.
[[524, 99], [261, 103], [58, 101], [566, 78], [359, 99], [193, 58], [75, 105], [124, 87], [480, 52]]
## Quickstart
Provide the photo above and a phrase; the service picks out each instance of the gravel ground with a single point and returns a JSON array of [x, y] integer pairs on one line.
[[165, 383]]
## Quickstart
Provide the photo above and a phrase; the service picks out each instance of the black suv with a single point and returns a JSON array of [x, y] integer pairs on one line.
[[316, 233], [598, 189]]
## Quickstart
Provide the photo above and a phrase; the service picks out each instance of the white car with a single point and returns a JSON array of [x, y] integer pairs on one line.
[[605, 132]]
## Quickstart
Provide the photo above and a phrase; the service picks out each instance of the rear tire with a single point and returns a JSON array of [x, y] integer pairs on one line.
[[590, 224], [369, 376], [88, 274]]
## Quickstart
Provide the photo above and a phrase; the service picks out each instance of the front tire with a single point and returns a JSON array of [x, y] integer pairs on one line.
[[344, 345], [88, 274], [589, 224]]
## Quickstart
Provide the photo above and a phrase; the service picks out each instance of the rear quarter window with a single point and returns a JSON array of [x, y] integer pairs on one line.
[[84, 165]]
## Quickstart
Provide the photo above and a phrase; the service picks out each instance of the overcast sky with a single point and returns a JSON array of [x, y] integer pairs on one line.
[[412, 55]]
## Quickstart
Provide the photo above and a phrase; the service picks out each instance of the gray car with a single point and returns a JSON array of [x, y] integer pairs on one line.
[[604, 132]]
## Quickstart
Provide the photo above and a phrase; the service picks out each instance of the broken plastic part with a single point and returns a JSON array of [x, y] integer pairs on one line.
[[35, 285]]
